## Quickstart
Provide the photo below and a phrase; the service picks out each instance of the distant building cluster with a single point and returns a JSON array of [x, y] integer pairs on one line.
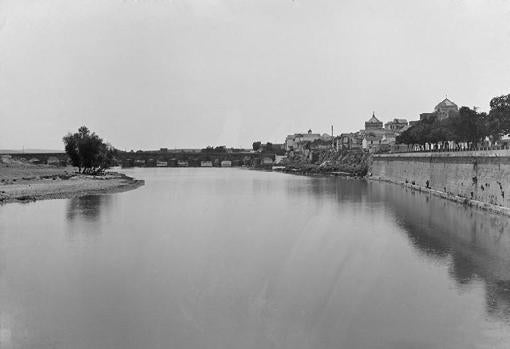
[[376, 136]]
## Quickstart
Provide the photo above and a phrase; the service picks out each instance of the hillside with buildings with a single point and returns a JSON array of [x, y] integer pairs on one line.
[[349, 152], [375, 137], [346, 153]]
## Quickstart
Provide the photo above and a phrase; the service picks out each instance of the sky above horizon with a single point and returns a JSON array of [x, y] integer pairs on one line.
[[146, 74]]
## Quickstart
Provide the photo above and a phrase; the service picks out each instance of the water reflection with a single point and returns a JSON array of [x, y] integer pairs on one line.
[[85, 215], [475, 243], [88, 207], [347, 193]]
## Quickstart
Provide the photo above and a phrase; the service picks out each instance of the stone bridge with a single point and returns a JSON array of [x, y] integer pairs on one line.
[[172, 159], [193, 159], [41, 157]]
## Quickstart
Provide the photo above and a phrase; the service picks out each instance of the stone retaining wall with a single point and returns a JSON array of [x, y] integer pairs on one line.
[[482, 176]]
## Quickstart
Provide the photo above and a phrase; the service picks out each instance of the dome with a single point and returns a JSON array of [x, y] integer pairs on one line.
[[446, 103], [373, 120]]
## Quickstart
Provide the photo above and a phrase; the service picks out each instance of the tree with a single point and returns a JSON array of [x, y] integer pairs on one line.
[[257, 145], [71, 148], [220, 149], [417, 134], [469, 125], [498, 120], [209, 149], [500, 103], [88, 152], [466, 126]]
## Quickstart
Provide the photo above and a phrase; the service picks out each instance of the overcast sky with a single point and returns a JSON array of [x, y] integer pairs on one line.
[[146, 74]]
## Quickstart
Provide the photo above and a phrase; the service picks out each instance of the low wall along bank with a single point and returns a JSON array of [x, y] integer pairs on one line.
[[482, 176]]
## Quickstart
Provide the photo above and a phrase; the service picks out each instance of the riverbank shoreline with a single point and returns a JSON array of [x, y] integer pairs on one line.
[[308, 173], [501, 210], [65, 187]]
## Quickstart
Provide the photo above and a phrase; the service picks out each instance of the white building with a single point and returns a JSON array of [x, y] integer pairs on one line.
[[292, 142], [296, 141]]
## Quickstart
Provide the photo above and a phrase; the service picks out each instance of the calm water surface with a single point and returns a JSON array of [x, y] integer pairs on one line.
[[229, 258]]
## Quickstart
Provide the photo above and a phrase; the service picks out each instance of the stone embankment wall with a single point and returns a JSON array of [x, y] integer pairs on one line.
[[482, 176]]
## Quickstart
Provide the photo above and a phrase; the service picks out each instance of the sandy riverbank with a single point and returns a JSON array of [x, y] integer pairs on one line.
[[29, 183]]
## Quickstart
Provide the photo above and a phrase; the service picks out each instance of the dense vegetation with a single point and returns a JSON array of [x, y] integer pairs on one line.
[[467, 126], [268, 147], [88, 152], [214, 150]]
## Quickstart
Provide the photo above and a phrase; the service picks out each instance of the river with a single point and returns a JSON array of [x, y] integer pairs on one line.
[[231, 258]]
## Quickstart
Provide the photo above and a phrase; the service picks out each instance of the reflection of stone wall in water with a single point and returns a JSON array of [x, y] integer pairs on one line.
[[482, 176], [474, 242]]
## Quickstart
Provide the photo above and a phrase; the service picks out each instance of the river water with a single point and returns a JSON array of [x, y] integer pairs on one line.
[[231, 258]]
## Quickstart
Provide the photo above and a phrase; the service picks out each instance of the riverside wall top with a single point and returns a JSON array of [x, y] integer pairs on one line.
[[449, 154]]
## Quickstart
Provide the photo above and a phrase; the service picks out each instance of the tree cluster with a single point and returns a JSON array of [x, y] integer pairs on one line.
[[88, 152], [218, 149], [267, 147], [467, 126]]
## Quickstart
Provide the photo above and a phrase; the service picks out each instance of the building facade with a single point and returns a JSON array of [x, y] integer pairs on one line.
[[348, 141], [396, 125]]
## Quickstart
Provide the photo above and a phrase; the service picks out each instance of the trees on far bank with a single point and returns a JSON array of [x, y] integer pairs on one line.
[[498, 123], [88, 152], [214, 150], [468, 126]]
